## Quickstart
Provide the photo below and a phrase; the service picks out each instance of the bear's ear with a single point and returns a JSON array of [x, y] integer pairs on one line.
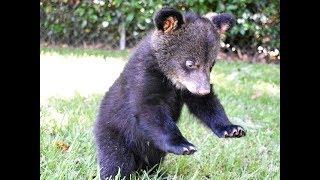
[[168, 20], [223, 21]]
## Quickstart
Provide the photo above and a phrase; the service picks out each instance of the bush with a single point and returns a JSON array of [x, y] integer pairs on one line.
[[75, 22]]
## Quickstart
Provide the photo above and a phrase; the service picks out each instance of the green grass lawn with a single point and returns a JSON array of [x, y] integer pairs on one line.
[[250, 94], [85, 52]]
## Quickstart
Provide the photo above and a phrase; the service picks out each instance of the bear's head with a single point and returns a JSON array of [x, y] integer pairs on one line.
[[186, 46]]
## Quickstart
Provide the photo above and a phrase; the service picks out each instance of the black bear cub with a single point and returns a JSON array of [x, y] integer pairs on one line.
[[137, 121]]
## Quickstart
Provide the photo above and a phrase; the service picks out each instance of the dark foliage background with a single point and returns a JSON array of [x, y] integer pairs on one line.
[[98, 23]]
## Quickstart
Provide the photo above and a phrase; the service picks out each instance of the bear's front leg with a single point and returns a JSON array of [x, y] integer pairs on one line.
[[209, 110], [220, 123], [155, 124]]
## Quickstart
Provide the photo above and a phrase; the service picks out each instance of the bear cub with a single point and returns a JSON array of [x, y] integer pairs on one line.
[[137, 121]]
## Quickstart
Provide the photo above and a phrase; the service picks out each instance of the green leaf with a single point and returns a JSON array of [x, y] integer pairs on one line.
[[84, 23], [93, 18], [231, 7], [80, 11], [221, 7], [130, 17]]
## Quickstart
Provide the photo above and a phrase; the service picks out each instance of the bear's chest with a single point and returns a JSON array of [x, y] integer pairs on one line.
[[174, 101]]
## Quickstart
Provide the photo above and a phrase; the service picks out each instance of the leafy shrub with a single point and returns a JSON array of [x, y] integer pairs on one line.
[[76, 22]]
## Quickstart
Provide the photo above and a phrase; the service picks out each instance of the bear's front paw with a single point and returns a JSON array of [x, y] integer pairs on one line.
[[232, 131], [182, 149]]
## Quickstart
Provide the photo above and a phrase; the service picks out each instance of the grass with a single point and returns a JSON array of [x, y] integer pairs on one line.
[[78, 52], [250, 94]]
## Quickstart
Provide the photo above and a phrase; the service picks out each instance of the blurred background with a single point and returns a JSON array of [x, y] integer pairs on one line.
[[84, 45], [117, 24]]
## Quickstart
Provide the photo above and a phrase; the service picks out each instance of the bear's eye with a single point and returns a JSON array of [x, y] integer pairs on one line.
[[189, 64]]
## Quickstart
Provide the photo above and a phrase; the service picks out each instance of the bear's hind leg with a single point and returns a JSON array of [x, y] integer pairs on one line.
[[109, 167], [112, 155]]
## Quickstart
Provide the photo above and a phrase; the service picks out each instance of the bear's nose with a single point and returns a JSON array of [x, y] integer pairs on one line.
[[203, 91]]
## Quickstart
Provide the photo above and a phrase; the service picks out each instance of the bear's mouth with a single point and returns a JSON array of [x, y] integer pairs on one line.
[[195, 89], [191, 87]]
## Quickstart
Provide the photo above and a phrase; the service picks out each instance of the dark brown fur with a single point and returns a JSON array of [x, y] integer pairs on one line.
[[136, 125]]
